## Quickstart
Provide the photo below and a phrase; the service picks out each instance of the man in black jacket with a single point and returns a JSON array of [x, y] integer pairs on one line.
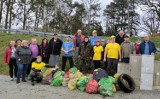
[[54, 49], [120, 37]]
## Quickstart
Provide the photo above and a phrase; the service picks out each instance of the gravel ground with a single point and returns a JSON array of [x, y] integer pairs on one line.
[[24, 90]]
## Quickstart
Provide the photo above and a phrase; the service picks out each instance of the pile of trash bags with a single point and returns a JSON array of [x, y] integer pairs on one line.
[[98, 82]]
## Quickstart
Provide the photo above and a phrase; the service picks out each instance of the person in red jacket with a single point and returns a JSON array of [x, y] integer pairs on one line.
[[10, 59], [77, 40], [137, 45]]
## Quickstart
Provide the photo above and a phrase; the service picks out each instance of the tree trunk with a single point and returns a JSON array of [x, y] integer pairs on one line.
[[1, 9], [10, 19], [7, 12], [24, 17]]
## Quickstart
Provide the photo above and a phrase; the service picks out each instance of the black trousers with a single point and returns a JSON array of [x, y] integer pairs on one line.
[[45, 60], [29, 67], [97, 64], [36, 75], [112, 64], [13, 67], [64, 60]]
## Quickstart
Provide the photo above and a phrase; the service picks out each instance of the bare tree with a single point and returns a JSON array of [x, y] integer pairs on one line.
[[151, 24], [1, 9]]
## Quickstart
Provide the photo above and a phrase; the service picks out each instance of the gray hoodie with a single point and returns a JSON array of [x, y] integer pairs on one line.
[[23, 55]]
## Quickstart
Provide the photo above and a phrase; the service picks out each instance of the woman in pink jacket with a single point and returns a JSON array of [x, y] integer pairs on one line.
[[9, 58]]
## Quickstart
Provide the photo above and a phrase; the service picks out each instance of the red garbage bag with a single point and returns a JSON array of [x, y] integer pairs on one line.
[[92, 86], [67, 75]]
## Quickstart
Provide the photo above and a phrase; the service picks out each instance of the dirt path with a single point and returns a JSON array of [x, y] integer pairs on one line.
[[11, 90]]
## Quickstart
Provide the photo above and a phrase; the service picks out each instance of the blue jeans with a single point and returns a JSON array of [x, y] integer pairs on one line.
[[22, 69]]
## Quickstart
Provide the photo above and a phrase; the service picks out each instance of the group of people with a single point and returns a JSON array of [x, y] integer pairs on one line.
[[81, 51]]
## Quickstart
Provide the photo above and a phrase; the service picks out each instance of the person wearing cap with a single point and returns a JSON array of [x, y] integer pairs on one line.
[[112, 52], [94, 38], [97, 57], [147, 47], [85, 54], [67, 49], [127, 48], [54, 49], [44, 54], [77, 40], [36, 70], [120, 37]]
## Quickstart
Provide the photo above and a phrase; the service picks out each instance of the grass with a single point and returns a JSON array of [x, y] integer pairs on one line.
[[5, 39]]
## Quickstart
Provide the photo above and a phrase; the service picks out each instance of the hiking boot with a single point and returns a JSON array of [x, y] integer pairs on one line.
[[18, 81], [32, 83], [24, 80]]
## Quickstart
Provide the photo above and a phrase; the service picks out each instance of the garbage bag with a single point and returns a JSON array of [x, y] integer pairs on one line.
[[48, 71], [58, 74], [114, 88], [116, 76], [77, 75], [65, 81], [43, 69], [90, 75], [81, 84], [99, 73], [109, 80], [57, 81], [92, 86], [72, 84], [73, 70], [67, 75], [47, 79], [106, 90]]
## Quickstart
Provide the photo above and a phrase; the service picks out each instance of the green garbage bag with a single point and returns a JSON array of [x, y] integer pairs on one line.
[[108, 80], [73, 70], [44, 69], [81, 84], [105, 90], [57, 81], [58, 74]]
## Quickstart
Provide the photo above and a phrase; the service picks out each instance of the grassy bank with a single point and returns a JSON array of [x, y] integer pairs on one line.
[[5, 39]]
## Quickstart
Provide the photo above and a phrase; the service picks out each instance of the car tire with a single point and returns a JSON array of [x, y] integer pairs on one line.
[[126, 83]]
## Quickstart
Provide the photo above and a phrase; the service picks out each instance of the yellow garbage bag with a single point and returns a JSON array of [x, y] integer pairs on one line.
[[72, 84], [114, 88]]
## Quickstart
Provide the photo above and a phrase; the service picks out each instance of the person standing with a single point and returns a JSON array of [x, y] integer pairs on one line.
[[77, 40], [67, 48], [85, 53], [18, 42], [94, 38], [35, 48], [24, 57], [44, 54], [113, 52], [10, 59], [97, 57], [54, 49], [127, 48], [120, 37], [137, 45], [147, 47]]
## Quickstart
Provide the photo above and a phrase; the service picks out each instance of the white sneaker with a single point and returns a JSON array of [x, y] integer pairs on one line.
[[11, 79]]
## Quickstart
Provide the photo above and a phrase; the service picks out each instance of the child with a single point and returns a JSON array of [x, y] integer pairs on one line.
[[98, 51], [36, 70]]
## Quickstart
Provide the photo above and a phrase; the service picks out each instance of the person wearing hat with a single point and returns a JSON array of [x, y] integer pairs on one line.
[[54, 49], [77, 40], [94, 38], [85, 54], [127, 48], [113, 53], [97, 57], [67, 48]]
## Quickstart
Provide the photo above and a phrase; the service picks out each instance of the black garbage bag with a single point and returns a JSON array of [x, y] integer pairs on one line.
[[99, 73]]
